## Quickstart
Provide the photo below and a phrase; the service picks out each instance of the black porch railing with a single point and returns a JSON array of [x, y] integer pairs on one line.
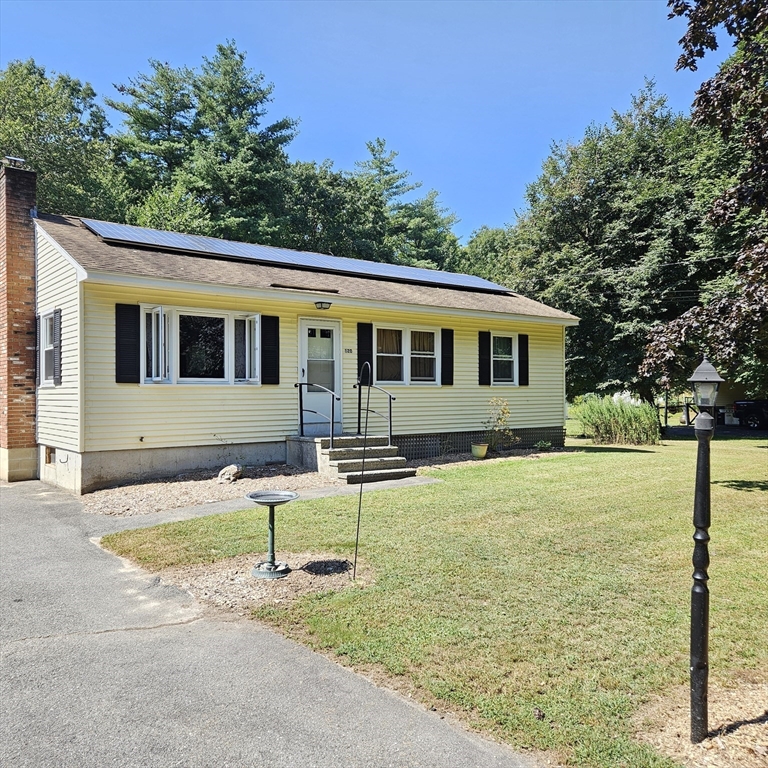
[[302, 410], [360, 410]]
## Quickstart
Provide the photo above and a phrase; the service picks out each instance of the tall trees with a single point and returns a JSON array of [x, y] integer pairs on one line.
[[330, 211], [417, 232], [202, 133], [197, 153], [615, 233], [730, 323], [55, 124], [157, 138], [238, 165]]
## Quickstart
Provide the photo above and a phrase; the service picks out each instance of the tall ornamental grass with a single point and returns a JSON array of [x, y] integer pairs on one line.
[[606, 420]]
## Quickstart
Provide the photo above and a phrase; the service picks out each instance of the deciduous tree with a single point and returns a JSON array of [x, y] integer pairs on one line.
[[730, 324], [615, 232], [55, 124]]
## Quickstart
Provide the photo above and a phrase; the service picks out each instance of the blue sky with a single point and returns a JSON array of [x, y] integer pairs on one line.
[[471, 94]]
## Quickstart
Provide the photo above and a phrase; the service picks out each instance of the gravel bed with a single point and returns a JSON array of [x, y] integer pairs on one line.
[[195, 488], [228, 584]]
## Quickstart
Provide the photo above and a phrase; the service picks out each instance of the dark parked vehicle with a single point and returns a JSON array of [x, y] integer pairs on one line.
[[752, 413]]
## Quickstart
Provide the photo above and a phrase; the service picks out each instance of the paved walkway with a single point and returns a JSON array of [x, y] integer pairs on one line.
[[104, 666]]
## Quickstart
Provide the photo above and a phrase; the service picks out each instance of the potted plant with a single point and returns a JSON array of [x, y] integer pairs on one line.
[[479, 450]]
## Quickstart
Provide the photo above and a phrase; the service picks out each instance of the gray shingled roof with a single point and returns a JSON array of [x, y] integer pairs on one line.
[[96, 255]]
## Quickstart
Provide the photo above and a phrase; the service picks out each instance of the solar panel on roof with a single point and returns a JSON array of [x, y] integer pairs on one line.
[[284, 257]]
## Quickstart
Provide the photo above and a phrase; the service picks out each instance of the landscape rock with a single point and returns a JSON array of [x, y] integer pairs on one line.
[[230, 473]]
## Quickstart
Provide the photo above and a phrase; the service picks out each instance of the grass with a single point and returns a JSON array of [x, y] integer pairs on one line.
[[560, 584]]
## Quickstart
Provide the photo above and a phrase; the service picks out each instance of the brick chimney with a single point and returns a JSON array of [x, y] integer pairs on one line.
[[18, 445]]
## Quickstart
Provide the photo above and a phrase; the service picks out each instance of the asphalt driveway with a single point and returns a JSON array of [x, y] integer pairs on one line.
[[102, 665]]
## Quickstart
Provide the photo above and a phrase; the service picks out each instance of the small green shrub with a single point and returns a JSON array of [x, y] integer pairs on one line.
[[498, 433], [543, 445], [606, 420]]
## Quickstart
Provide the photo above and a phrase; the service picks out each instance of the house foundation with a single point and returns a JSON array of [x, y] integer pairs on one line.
[[86, 472]]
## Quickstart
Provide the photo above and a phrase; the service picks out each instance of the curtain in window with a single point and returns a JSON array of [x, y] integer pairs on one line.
[[389, 358], [390, 341], [422, 356]]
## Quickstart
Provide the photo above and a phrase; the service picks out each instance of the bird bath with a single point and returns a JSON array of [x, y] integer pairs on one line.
[[270, 569]]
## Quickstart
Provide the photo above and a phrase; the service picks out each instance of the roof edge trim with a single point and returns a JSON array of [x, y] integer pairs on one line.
[[167, 284]]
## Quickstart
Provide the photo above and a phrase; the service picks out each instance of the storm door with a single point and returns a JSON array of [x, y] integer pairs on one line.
[[320, 369]]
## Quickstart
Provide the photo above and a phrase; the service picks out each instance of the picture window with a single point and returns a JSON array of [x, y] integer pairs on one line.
[[191, 346]]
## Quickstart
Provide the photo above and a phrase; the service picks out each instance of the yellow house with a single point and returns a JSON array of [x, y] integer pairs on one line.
[[159, 352]]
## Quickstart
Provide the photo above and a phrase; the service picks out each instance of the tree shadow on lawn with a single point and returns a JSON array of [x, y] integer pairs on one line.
[[610, 449], [743, 485]]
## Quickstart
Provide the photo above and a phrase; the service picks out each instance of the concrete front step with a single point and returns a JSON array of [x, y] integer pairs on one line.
[[354, 441], [371, 464], [343, 454], [355, 478]]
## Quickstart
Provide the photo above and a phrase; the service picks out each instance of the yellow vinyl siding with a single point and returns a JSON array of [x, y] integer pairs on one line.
[[58, 408], [118, 415], [427, 408], [166, 415]]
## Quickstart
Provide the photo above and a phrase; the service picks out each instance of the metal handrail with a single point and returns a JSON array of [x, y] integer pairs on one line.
[[303, 410], [359, 387]]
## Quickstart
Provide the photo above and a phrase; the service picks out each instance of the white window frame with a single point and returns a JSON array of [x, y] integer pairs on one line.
[[406, 331], [252, 349], [424, 355], [168, 351], [515, 380], [159, 364], [402, 354], [229, 354], [47, 342]]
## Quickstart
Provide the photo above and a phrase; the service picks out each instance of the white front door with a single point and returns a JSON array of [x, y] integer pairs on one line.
[[320, 367]]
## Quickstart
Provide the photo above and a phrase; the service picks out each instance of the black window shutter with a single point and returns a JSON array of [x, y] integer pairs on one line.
[[57, 347], [37, 351], [270, 349], [127, 343], [484, 358], [446, 356], [364, 350], [522, 358]]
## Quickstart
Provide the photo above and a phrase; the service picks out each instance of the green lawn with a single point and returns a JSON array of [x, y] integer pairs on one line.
[[560, 583]]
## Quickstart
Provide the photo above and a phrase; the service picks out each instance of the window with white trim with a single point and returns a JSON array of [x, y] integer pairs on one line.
[[406, 356], [423, 359], [503, 359], [199, 346], [389, 354], [156, 345], [247, 348], [47, 344]]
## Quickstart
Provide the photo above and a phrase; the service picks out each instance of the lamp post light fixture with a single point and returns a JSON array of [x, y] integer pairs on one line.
[[706, 381]]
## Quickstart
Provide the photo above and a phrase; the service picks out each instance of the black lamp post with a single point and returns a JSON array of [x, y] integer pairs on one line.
[[706, 382]]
